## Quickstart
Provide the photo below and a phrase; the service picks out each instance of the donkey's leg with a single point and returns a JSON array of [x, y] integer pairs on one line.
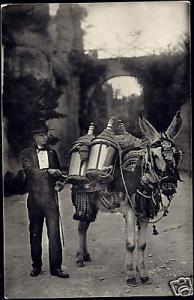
[[141, 246], [130, 246], [82, 254]]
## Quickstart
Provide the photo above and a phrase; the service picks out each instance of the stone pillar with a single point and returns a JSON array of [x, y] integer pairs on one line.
[[183, 140], [66, 33]]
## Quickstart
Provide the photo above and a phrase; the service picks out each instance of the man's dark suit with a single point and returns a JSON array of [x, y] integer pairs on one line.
[[42, 203]]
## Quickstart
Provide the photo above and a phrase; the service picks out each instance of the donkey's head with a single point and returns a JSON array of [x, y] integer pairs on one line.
[[162, 157]]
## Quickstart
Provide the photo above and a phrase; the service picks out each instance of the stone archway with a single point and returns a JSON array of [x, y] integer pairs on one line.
[[125, 100], [121, 66], [117, 67], [100, 103]]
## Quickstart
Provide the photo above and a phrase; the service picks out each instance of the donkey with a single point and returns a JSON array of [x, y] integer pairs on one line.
[[138, 193]]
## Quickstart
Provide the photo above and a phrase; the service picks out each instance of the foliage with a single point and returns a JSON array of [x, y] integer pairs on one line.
[[25, 100], [14, 185], [16, 17], [128, 109], [89, 71], [97, 111], [78, 12], [166, 82]]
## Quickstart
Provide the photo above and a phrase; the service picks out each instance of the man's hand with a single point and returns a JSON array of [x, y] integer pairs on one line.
[[55, 172], [59, 186]]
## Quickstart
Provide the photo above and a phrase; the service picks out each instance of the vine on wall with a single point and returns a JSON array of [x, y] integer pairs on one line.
[[90, 71], [25, 100], [166, 84]]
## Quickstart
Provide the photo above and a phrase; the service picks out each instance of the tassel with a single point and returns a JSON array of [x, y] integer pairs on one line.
[[138, 224], [155, 232], [165, 212]]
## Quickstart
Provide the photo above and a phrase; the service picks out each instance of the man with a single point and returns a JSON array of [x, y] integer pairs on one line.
[[42, 168]]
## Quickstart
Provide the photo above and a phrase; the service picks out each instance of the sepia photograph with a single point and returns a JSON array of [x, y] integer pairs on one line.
[[96, 150]]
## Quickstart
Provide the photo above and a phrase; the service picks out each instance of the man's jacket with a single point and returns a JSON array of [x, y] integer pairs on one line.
[[40, 184]]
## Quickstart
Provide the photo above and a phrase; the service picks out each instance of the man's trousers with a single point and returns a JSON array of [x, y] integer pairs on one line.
[[37, 212]]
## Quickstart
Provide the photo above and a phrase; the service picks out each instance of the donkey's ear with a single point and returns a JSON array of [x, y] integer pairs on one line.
[[175, 126], [149, 131]]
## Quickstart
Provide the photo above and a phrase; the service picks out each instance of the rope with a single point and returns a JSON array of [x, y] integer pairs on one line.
[[110, 168]]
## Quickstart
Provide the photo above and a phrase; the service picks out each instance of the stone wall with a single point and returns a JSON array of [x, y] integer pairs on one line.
[[37, 44], [30, 45], [26, 52], [184, 138], [66, 33]]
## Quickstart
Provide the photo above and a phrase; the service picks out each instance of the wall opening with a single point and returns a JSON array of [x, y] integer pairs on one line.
[[124, 98]]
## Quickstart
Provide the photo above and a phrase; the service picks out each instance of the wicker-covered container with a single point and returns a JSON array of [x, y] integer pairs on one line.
[[79, 157], [132, 148], [126, 140], [103, 155]]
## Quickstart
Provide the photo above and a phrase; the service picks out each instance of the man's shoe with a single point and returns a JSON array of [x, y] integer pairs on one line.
[[59, 273], [35, 272]]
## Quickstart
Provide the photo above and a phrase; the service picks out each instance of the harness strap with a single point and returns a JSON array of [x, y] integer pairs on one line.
[[105, 202], [138, 191], [124, 184], [123, 180]]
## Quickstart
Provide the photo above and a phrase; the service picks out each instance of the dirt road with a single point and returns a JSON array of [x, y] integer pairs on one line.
[[169, 254]]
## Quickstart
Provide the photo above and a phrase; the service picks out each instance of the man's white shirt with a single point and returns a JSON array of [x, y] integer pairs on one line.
[[43, 159]]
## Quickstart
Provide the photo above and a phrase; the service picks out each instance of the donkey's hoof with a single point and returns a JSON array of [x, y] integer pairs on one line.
[[87, 257], [132, 281], [145, 280], [80, 263]]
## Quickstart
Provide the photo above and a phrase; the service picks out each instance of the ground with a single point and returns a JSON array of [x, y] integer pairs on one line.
[[168, 255]]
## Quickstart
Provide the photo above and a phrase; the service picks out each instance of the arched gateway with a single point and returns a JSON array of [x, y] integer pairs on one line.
[[121, 66]]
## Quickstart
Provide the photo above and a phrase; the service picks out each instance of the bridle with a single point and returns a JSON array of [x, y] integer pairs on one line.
[[152, 169], [167, 179], [158, 182]]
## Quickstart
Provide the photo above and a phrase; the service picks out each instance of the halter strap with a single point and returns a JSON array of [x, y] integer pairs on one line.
[[125, 187]]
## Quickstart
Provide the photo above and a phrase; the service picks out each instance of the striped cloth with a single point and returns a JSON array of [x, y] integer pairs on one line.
[[85, 205]]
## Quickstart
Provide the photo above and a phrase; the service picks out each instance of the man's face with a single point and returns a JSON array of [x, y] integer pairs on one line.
[[41, 138]]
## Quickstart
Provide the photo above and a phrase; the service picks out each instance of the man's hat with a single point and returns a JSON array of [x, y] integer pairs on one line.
[[40, 126]]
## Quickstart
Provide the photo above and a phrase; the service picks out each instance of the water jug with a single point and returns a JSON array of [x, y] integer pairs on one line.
[[79, 157], [103, 153]]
